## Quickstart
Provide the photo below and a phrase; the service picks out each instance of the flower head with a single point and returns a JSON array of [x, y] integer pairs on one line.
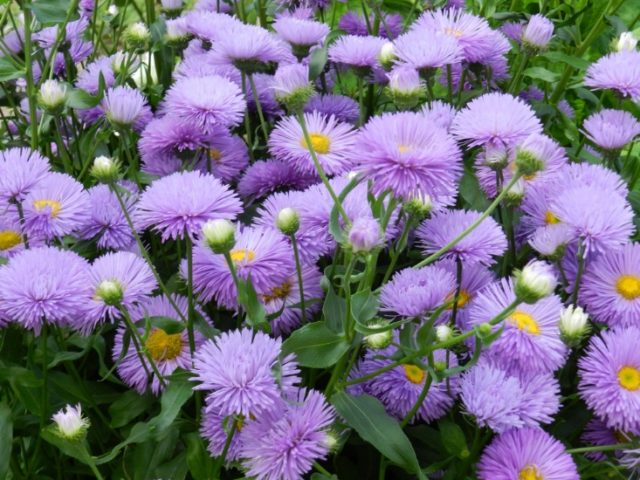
[[619, 71], [611, 129], [70, 423], [268, 176], [365, 235], [356, 51], [20, 170], [535, 281], [426, 50], [126, 107], [345, 109], [537, 33], [414, 292], [574, 325]]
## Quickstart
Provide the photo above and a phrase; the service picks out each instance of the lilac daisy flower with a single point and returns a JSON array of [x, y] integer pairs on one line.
[[259, 253], [344, 108], [120, 278], [268, 176], [403, 153], [597, 433], [530, 342], [125, 107], [181, 203], [11, 240], [610, 288], [285, 445], [209, 25], [439, 114], [501, 400], [426, 50], [206, 101], [56, 206], [611, 129], [537, 33], [254, 382], [495, 118], [356, 51], [526, 453], [21, 169], [513, 30], [480, 246], [413, 292], [45, 284], [169, 351], [89, 80], [203, 65], [107, 224], [619, 71], [610, 378], [301, 33], [331, 140], [215, 429]]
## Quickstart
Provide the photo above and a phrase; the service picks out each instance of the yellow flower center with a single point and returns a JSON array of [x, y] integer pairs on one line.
[[9, 239], [242, 255], [276, 293], [629, 378], [414, 374], [54, 205], [463, 299], [163, 346], [456, 32], [215, 155], [525, 322], [404, 148], [319, 141], [530, 472], [550, 218], [628, 286]]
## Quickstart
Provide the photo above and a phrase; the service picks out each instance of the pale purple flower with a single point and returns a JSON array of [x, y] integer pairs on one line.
[[611, 129], [619, 71]]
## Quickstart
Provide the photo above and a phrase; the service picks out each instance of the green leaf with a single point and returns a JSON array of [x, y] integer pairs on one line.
[[73, 448], [50, 11], [129, 406], [471, 192], [139, 433], [540, 73], [9, 70], [171, 326], [453, 438], [334, 311], [316, 346], [368, 417], [78, 98], [198, 459], [6, 438], [177, 393], [576, 62], [334, 219], [248, 298], [364, 306], [317, 62]]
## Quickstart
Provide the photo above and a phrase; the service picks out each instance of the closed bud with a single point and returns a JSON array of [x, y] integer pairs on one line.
[[288, 221], [220, 235], [496, 157], [515, 194], [137, 35], [365, 235], [105, 169], [485, 328], [419, 206], [377, 341], [574, 325], [70, 424], [52, 96], [171, 7], [444, 333], [537, 34], [387, 55], [332, 441], [626, 42], [112, 10], [110, 292], [405, 87], [535, 281]]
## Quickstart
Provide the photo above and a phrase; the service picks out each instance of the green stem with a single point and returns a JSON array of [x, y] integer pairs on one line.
[[395, 253], [45, 368], [94, 469], [320, 170], [576, 286], [416, 406], [236, 282], [434, 256], [602, 448], [190, 310], [517, 78], [227, 444], [262, 14], [247, 120], [321, 469], [449, 84], [256, 98], [296, 255], [31, 94], [25, 238]]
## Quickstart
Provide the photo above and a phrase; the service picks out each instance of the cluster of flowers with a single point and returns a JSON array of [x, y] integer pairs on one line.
[[282, 196]]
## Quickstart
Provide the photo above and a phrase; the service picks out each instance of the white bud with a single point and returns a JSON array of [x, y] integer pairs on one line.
[[419, 205], [52, 94], [138, 31], [70, 423], [331, 441], [110, 292], [387, 54], [105, 169], [112, 10], [220, 235], [626, 41], [574, 324], [288, 221], [444, 333], [535, 281], [515, 194], [377, 341], [496, 156]]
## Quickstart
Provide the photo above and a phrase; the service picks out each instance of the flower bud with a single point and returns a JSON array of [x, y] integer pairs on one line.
[[574, 325], [444, 333], [52, 96], [627, 41], [419, 206], [535, 281], [515, 194], [105, 169], [531, 155], [405, 87], [70, 424], [291, 86], [177, 33], [537, 33], [496, 157], [137, 35], [365, 235], [332, 441], [112, 10], [110, 292], [377, 341], [387, 55], [288, 221], [485, 328], [220, 235], [171, 7]]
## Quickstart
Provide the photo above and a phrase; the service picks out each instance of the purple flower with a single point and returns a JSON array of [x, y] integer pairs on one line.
[[45, 284], [120, 278], [610, 288], [356, 51], [125, 106], [611, 129], [107, 224], [610, 378], [291, 81], [403, 153], [301, 32], [215, 429], [259, 253], [285, 444], [439, 114], [513, 30], [345, 109], [537, 32], [209, 25], [355, 24], [427, 49], [21, 169], [597, 433], [331, 140], [484, 242], [502, 400], [265, 177], [526, 453], [413, 292], [254, 382], [530, 342], [206, 102], [495, 118], [11, 241], [365, 234], [169, 351], [181, 203], [56, 206], [619, 71]]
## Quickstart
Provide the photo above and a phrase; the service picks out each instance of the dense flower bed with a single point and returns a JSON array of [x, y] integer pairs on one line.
[[279, 240]]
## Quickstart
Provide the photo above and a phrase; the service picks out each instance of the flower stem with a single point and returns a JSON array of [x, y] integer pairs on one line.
[[296, 255], [423, 394], [256, 99], [601, 448], [576, 286], [31, 94], [225, 449], [190, 308]]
